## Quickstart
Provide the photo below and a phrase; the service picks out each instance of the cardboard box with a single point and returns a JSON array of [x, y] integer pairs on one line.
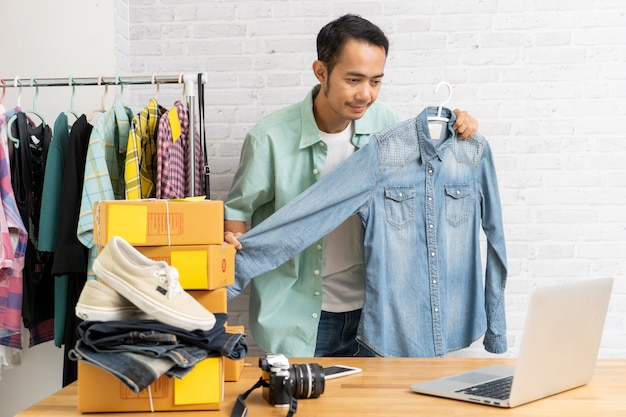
[[233, 368], [200, 389], [153, 222], [200, 267], [216, 301]]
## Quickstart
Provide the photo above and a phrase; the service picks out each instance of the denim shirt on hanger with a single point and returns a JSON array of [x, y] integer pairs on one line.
[[422, 203]]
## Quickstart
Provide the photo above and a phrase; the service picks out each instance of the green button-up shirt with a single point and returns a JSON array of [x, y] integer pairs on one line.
[[281, 157]]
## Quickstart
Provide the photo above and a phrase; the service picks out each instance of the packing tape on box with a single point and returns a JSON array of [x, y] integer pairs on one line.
[[150, 398], [97, 220]]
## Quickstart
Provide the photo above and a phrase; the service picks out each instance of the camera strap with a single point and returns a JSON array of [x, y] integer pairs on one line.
[[241, 410]]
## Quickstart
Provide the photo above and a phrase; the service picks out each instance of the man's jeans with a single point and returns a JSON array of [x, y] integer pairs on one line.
[[138, 352], [336, 335]]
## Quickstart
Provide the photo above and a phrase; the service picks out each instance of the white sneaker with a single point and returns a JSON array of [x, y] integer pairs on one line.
[[150, 285], [99, 302]]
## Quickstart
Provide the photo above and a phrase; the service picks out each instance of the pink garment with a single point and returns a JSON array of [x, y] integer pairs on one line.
[[13, 240]]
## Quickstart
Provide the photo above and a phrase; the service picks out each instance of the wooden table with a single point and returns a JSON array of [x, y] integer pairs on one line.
[[383, 390]]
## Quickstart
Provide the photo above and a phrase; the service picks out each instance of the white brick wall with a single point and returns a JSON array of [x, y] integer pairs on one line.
[[546, 79]]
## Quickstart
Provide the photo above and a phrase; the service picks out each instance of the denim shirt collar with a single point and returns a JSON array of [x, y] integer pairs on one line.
[[429, 148]]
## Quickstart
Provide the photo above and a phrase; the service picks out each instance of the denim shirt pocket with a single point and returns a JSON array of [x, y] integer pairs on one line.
[[457, 203], [400, 205]]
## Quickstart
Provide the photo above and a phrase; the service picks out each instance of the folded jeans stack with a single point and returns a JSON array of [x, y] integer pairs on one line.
[[141, 323]]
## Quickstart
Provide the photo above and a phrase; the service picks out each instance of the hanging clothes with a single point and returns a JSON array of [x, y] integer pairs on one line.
[[70, 255], [13, 239], [53, 178], [104, 170], [141, 154], [27, 159], [46, 216], [174, 167], [70, 259], [51, 198]]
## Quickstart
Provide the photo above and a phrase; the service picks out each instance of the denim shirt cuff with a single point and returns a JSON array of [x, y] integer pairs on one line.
[[495, 344], [231, 293]]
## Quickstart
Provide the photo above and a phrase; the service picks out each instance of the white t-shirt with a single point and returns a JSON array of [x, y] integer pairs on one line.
[[343, 286]]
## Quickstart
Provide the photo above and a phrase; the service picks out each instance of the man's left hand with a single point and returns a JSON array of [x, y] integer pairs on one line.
[[465, 125]]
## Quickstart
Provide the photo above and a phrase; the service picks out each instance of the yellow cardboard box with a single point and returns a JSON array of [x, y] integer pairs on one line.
[[153, 222], [233, 368], [201, 389], [216, 301], [201, 267]]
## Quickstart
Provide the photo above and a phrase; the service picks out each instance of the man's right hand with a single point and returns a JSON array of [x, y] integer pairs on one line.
[[230, 237], [232, 230]]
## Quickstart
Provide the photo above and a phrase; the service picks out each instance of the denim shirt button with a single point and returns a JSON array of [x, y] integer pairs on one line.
[[434, 281], [430, 171], [431, 225], [436, 310]]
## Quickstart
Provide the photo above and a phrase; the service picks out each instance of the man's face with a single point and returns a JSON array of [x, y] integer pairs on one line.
[[353, 84]]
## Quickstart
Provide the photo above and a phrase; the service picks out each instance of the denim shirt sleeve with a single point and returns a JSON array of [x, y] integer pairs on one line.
[[495, 270], [308, 217]]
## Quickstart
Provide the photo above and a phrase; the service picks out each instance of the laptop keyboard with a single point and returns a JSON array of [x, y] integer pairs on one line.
[[499, 389]]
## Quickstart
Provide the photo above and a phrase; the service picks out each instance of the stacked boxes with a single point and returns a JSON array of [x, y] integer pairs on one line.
[[200, 389], [189, 235]]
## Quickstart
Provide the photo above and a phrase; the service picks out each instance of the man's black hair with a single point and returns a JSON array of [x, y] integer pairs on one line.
[[332, 37]]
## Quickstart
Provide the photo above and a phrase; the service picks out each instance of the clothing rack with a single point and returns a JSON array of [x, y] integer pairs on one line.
[[188, 79], [190, 82]]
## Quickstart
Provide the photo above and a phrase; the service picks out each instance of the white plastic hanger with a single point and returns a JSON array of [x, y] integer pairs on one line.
[[13, 139], [16, 83], [102, 109], [182, 94], [158, 87], [2, 109], [439, 118], [4, 91], [436, 123], [3, 114]]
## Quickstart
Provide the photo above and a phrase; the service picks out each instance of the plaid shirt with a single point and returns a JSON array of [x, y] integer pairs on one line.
[[173, 158], [104, 170], [140, 172], [13, 240]]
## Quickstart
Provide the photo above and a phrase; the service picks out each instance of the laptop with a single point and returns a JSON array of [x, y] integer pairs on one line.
[[558, 352]]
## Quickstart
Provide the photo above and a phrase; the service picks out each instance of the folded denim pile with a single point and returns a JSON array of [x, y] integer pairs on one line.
[[139, 323]]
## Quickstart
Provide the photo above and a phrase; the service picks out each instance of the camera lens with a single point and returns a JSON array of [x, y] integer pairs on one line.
[[307, 380]]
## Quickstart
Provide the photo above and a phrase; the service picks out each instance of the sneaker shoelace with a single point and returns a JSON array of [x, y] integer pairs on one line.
[[169, 276]]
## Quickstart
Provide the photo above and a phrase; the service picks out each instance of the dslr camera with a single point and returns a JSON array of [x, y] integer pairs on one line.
[[284, 382]]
